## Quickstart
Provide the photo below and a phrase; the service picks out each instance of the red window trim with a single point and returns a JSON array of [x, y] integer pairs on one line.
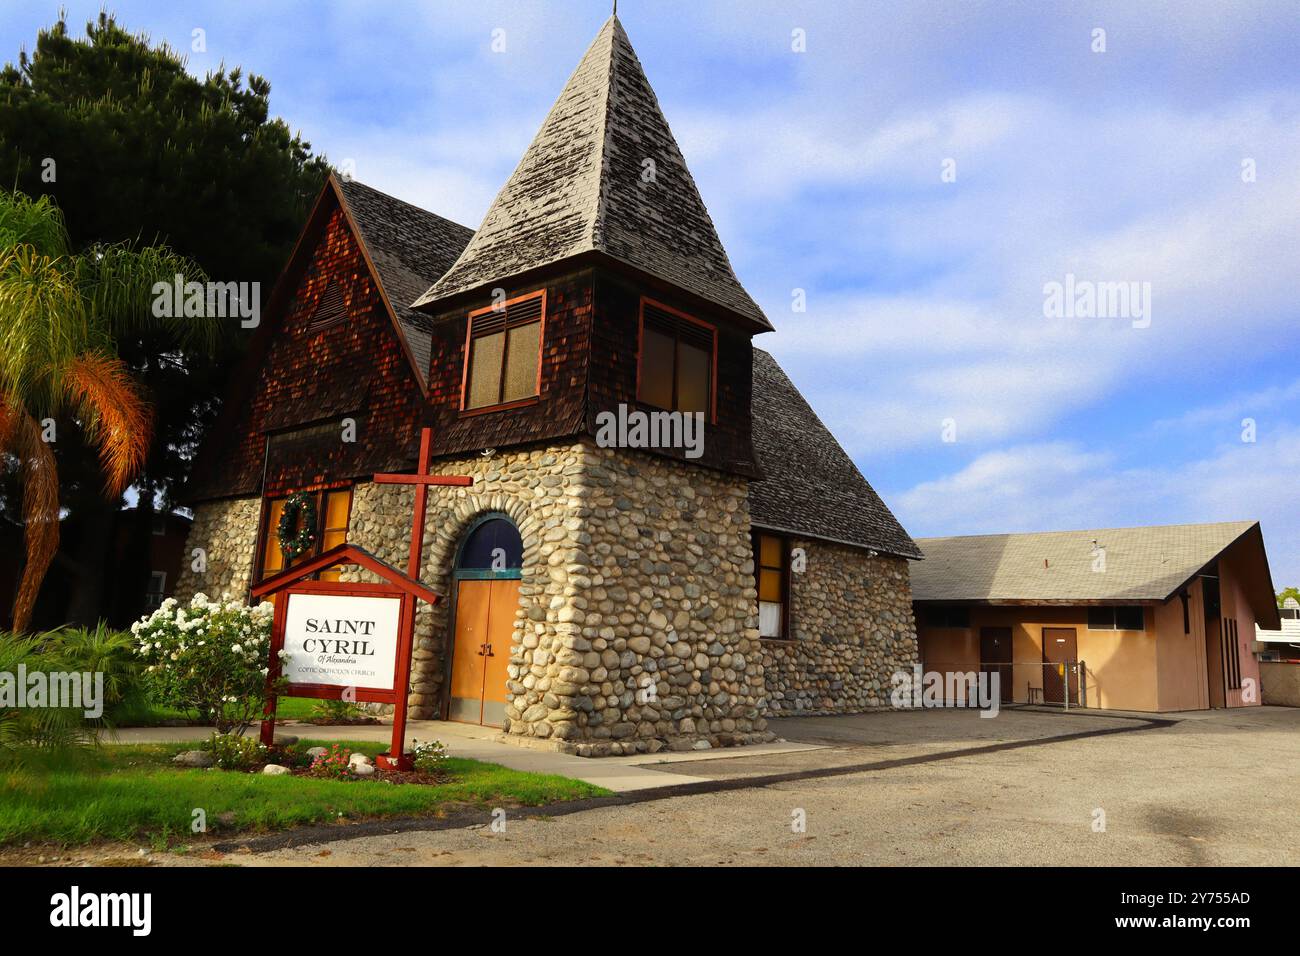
[[469, 339], [640, 339]]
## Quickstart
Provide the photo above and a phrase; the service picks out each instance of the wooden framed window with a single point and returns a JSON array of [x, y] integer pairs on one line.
[[1112, 618], [772, 572], [503, 354], [333, 512], [677, 362]]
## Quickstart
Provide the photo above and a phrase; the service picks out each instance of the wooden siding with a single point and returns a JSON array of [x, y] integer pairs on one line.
[[309, 382], [558, 410], [728, 443]]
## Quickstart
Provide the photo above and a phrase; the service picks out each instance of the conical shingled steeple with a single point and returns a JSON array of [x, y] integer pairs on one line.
[[604, 174]]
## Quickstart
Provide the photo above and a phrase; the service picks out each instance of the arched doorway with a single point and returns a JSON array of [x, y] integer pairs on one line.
[[485, 586]]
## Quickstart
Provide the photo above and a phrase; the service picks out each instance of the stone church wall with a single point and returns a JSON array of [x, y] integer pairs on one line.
[[636, 628], [226, 531], [851, 629]]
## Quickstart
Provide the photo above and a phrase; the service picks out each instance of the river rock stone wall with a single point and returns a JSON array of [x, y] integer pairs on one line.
[[637, 627], [852, 627], [227, 532]]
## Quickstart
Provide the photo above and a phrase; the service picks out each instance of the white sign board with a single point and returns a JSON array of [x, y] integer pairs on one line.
[[341, 640]]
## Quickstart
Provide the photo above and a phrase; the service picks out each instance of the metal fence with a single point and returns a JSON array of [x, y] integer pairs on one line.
[[1053, 683]]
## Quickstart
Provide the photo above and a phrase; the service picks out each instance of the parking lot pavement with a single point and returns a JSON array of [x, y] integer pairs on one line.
[[905, 735], [1212, 788]]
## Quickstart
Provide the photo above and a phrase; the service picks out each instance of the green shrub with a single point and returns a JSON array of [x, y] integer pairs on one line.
[[430, 756], [208, 656], [231, 752], [336, 711], [104, 651], [46, 728]]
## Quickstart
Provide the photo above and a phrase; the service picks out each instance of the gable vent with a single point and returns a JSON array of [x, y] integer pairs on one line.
[[674, 325], [330, 310], [490, 321]]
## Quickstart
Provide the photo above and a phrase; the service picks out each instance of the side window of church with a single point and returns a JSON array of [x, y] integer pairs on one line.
[[772, 570], [332, 510], [503, 352], [677, 351]]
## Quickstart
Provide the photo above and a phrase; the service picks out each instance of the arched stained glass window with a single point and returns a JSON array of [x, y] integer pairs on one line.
[[493, 545]]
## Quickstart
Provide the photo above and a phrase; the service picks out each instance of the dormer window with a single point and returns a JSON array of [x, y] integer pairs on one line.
[[678, 361], [503, 351]]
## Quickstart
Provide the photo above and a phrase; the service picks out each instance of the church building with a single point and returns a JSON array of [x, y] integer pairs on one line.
[[662, 545]]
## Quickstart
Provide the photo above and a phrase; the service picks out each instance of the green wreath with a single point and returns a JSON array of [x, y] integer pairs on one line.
[[297, 528]]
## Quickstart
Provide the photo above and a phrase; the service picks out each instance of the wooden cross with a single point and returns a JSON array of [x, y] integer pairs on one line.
[[396, 758], [422, 481]]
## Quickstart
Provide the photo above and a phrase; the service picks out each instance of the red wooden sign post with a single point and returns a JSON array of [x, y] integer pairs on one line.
[[348, 625]]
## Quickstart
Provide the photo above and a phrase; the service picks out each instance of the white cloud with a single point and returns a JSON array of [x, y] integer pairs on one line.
[[1061, 486]]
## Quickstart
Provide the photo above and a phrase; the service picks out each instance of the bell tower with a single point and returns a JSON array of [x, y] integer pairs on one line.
[[594, 331]]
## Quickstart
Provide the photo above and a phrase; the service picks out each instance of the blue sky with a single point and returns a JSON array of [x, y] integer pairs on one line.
[[823, 171]]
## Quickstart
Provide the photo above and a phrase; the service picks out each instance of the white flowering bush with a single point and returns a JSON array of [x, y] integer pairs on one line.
[[208, 656], [430, 756]]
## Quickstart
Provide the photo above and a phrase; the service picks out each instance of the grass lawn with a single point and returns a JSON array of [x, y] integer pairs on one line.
[[133, 792], [148, 714]]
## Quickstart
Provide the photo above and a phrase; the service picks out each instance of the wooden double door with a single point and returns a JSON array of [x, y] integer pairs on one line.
[[485, 620]]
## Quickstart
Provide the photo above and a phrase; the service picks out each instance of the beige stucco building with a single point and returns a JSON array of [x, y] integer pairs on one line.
[[1143, 619]]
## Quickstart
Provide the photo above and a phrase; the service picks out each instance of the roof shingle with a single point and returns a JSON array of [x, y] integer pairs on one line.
[[584, 186], [1141, 564], [407, 245], [810, 484]]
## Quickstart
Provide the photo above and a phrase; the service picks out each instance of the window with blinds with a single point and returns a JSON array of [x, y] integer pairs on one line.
[[503, 352], [1111, 618], [676, 370]]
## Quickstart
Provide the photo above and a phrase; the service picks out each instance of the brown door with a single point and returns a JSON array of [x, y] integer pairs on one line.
[[485, 618], [995, 658], [1059, 649]]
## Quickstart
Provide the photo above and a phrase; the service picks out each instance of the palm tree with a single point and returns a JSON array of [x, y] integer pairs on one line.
[[62, 313]]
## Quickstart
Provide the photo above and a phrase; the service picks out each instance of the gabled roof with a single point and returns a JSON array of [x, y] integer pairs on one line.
[[1148, 564], [345, 553], [398, 241], [406, 244], [579, 189], [810, 485]]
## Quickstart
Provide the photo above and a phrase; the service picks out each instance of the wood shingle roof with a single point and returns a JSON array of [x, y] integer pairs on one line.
[[605, 176], [407, 244], [810, 485]]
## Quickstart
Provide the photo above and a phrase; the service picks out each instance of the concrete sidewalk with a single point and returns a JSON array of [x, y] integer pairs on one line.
[[619, 774]]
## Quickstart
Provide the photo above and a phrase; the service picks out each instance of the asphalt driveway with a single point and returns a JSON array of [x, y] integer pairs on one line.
[[943, 787]]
